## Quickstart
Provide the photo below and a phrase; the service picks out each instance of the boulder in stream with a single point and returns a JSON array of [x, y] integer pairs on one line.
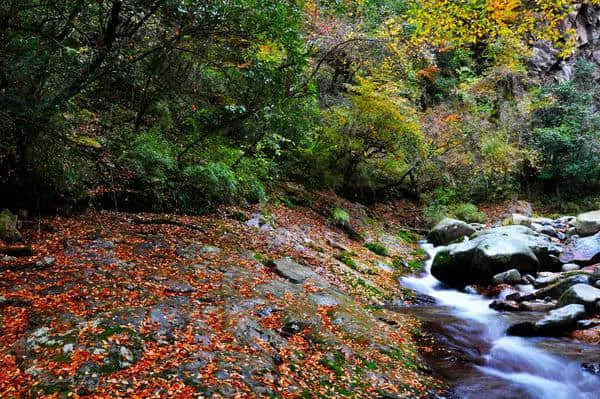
[[511, 276], [582, 294], [479, 260], [558, 322], [449, 230], [582, 251], [588, 223]]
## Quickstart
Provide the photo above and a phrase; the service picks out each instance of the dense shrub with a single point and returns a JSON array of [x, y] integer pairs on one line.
[[469, 213]]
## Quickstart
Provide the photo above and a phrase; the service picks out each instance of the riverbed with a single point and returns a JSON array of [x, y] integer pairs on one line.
[[478, 360]]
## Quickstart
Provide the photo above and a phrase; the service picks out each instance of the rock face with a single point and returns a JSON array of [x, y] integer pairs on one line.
[[449, 230], [558, 322], [8, 227], [494, 251], [582, 294], [582, 251], [588, 223], [546, 61]]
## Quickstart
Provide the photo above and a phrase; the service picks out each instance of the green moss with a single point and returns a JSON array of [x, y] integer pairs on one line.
[[408, 236], [112, 330], [346, 258], [335, 363], [442, 258], [377, 248], [416, 265]]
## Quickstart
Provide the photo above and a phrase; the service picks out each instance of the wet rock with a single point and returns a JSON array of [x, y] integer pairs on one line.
[[537, 306], [528, 279], [542, 246], [555, 290], [168, 317], [471, 289], [582, 251], [558, 322], [582, 294], [294, 327], [295, 272], [416, 300], [322, 299], [449, 230], [588, 223], [570, 267], [509, 277], [193, 250], [542, 221], [180, 287], [585, 324], [384, 267], [592, 368], [337, 245], [504, 305], [478, 260], [544, 229], [547, 279]]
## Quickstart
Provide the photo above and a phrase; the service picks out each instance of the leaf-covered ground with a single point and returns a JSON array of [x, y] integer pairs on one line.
[[269, 301]]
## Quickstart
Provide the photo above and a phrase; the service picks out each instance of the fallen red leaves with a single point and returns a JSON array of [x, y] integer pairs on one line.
[[104, 263]]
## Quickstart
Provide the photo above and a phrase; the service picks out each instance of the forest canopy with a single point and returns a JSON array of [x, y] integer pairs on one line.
[[183, 105]]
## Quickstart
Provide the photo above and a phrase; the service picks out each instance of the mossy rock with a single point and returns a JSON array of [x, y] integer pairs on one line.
[[8, 227]]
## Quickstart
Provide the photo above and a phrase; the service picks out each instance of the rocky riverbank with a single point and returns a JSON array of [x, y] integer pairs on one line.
[[274, 300]]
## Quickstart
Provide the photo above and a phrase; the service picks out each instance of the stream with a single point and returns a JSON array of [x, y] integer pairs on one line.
[[474, 355]]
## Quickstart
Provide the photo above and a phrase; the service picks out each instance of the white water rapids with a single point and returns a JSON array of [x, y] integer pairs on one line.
[[511, 367]]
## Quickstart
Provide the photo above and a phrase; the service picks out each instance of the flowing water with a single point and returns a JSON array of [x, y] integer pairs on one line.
[[476, 357]]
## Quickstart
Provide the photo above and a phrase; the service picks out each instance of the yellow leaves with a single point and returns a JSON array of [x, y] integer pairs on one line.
[[270, 52], [86, 141], [464, 22]]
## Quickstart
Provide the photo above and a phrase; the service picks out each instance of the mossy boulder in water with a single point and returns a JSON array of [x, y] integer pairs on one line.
[[479, 260]]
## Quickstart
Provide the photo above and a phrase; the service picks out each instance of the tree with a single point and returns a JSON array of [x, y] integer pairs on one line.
[[220, 68], [566, 131]]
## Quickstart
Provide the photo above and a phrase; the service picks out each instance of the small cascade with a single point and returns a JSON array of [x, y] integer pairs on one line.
[[499, 366]]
